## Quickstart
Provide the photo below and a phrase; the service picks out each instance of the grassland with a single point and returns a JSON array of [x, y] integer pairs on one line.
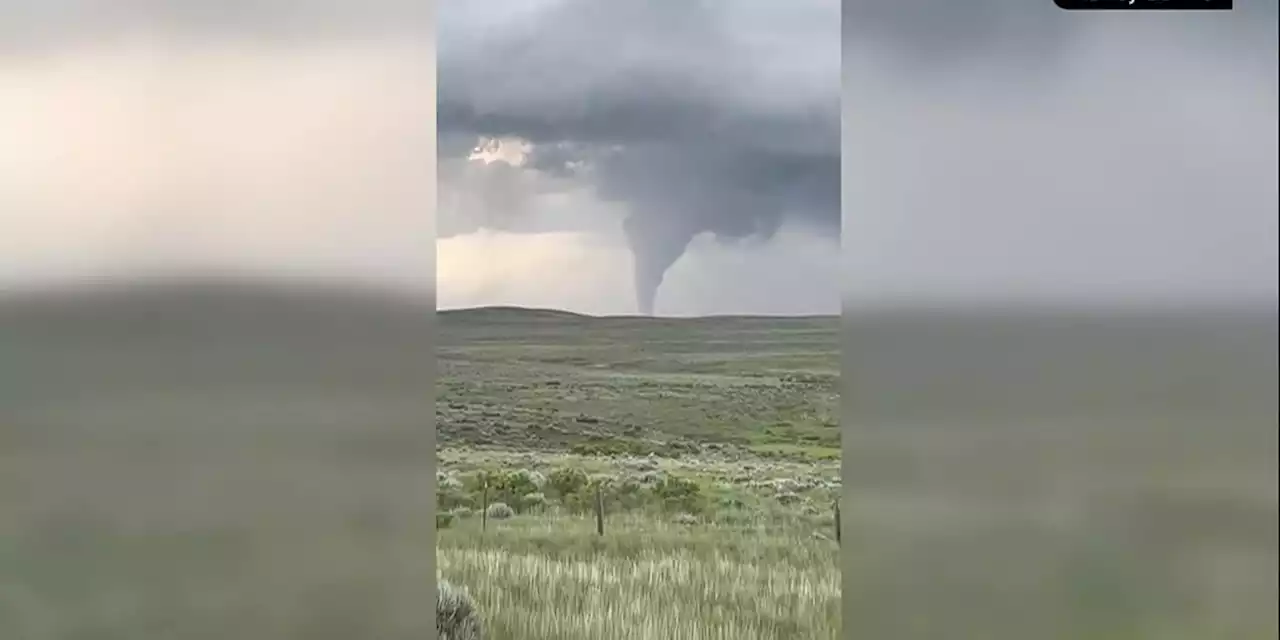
[[204, 464], [1044, 476], [1061, 474], [214, 461], [713, 443], [548, 380]]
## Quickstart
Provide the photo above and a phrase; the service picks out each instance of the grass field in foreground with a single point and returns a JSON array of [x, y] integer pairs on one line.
[[743, 409], [544, 578], [693, 548]]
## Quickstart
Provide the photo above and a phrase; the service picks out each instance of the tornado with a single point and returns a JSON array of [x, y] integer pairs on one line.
[[656, 244]]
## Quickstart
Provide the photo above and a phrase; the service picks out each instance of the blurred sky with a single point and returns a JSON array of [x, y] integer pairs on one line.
[[1000, 149], [267, 137], [1009, 151]]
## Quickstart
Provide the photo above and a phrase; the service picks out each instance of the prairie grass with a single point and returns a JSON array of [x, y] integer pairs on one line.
[[545, 577]]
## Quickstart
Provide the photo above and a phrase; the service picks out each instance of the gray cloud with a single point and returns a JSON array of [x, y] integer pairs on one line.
[[1007, 34], [697, 116], [1138, 163]]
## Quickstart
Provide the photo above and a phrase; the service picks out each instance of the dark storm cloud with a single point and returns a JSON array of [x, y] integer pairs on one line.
[[698, 116], [932, 30]]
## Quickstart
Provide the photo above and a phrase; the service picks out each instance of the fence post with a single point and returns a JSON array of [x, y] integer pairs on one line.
[[837, 520], [484, 506], [599, 512]]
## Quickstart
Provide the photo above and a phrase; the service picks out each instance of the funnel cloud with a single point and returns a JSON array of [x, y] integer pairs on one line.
[[654, 249], [693, 117]]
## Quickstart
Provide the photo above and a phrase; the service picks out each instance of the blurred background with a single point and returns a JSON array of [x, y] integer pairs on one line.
[[216, 288], [1060, 321], [217, 279]]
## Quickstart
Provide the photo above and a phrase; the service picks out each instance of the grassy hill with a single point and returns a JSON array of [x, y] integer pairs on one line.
[[215, 460], [551, 380]]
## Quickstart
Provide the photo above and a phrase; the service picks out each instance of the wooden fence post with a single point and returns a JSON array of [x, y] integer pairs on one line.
[[484, 505], [837, 520], [599, 512]]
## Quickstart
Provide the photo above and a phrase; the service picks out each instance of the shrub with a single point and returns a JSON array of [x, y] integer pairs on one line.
[[449, 499], [480, 479], [731, 502], [448, 481], [446, 500], [538, 479], [583, 500], [629, 493], [443, 520], [499, 511], [508, 487], [521, 482], [533, 502], [679, 494], [567, 481], [456, 614]]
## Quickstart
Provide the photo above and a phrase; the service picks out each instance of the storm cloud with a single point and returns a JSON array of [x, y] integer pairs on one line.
[[1010, 151], [694, 117]]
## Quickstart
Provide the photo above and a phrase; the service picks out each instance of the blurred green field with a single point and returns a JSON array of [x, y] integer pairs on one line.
[[1061, 473], [212, 462], [217, 467]]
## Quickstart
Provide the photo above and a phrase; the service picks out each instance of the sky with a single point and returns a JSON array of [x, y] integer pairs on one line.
[[671, 157], [602, 157], [266, 138], [1008, 152]]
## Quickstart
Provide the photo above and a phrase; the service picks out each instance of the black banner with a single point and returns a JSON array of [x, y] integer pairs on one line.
[[1144, 5]]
